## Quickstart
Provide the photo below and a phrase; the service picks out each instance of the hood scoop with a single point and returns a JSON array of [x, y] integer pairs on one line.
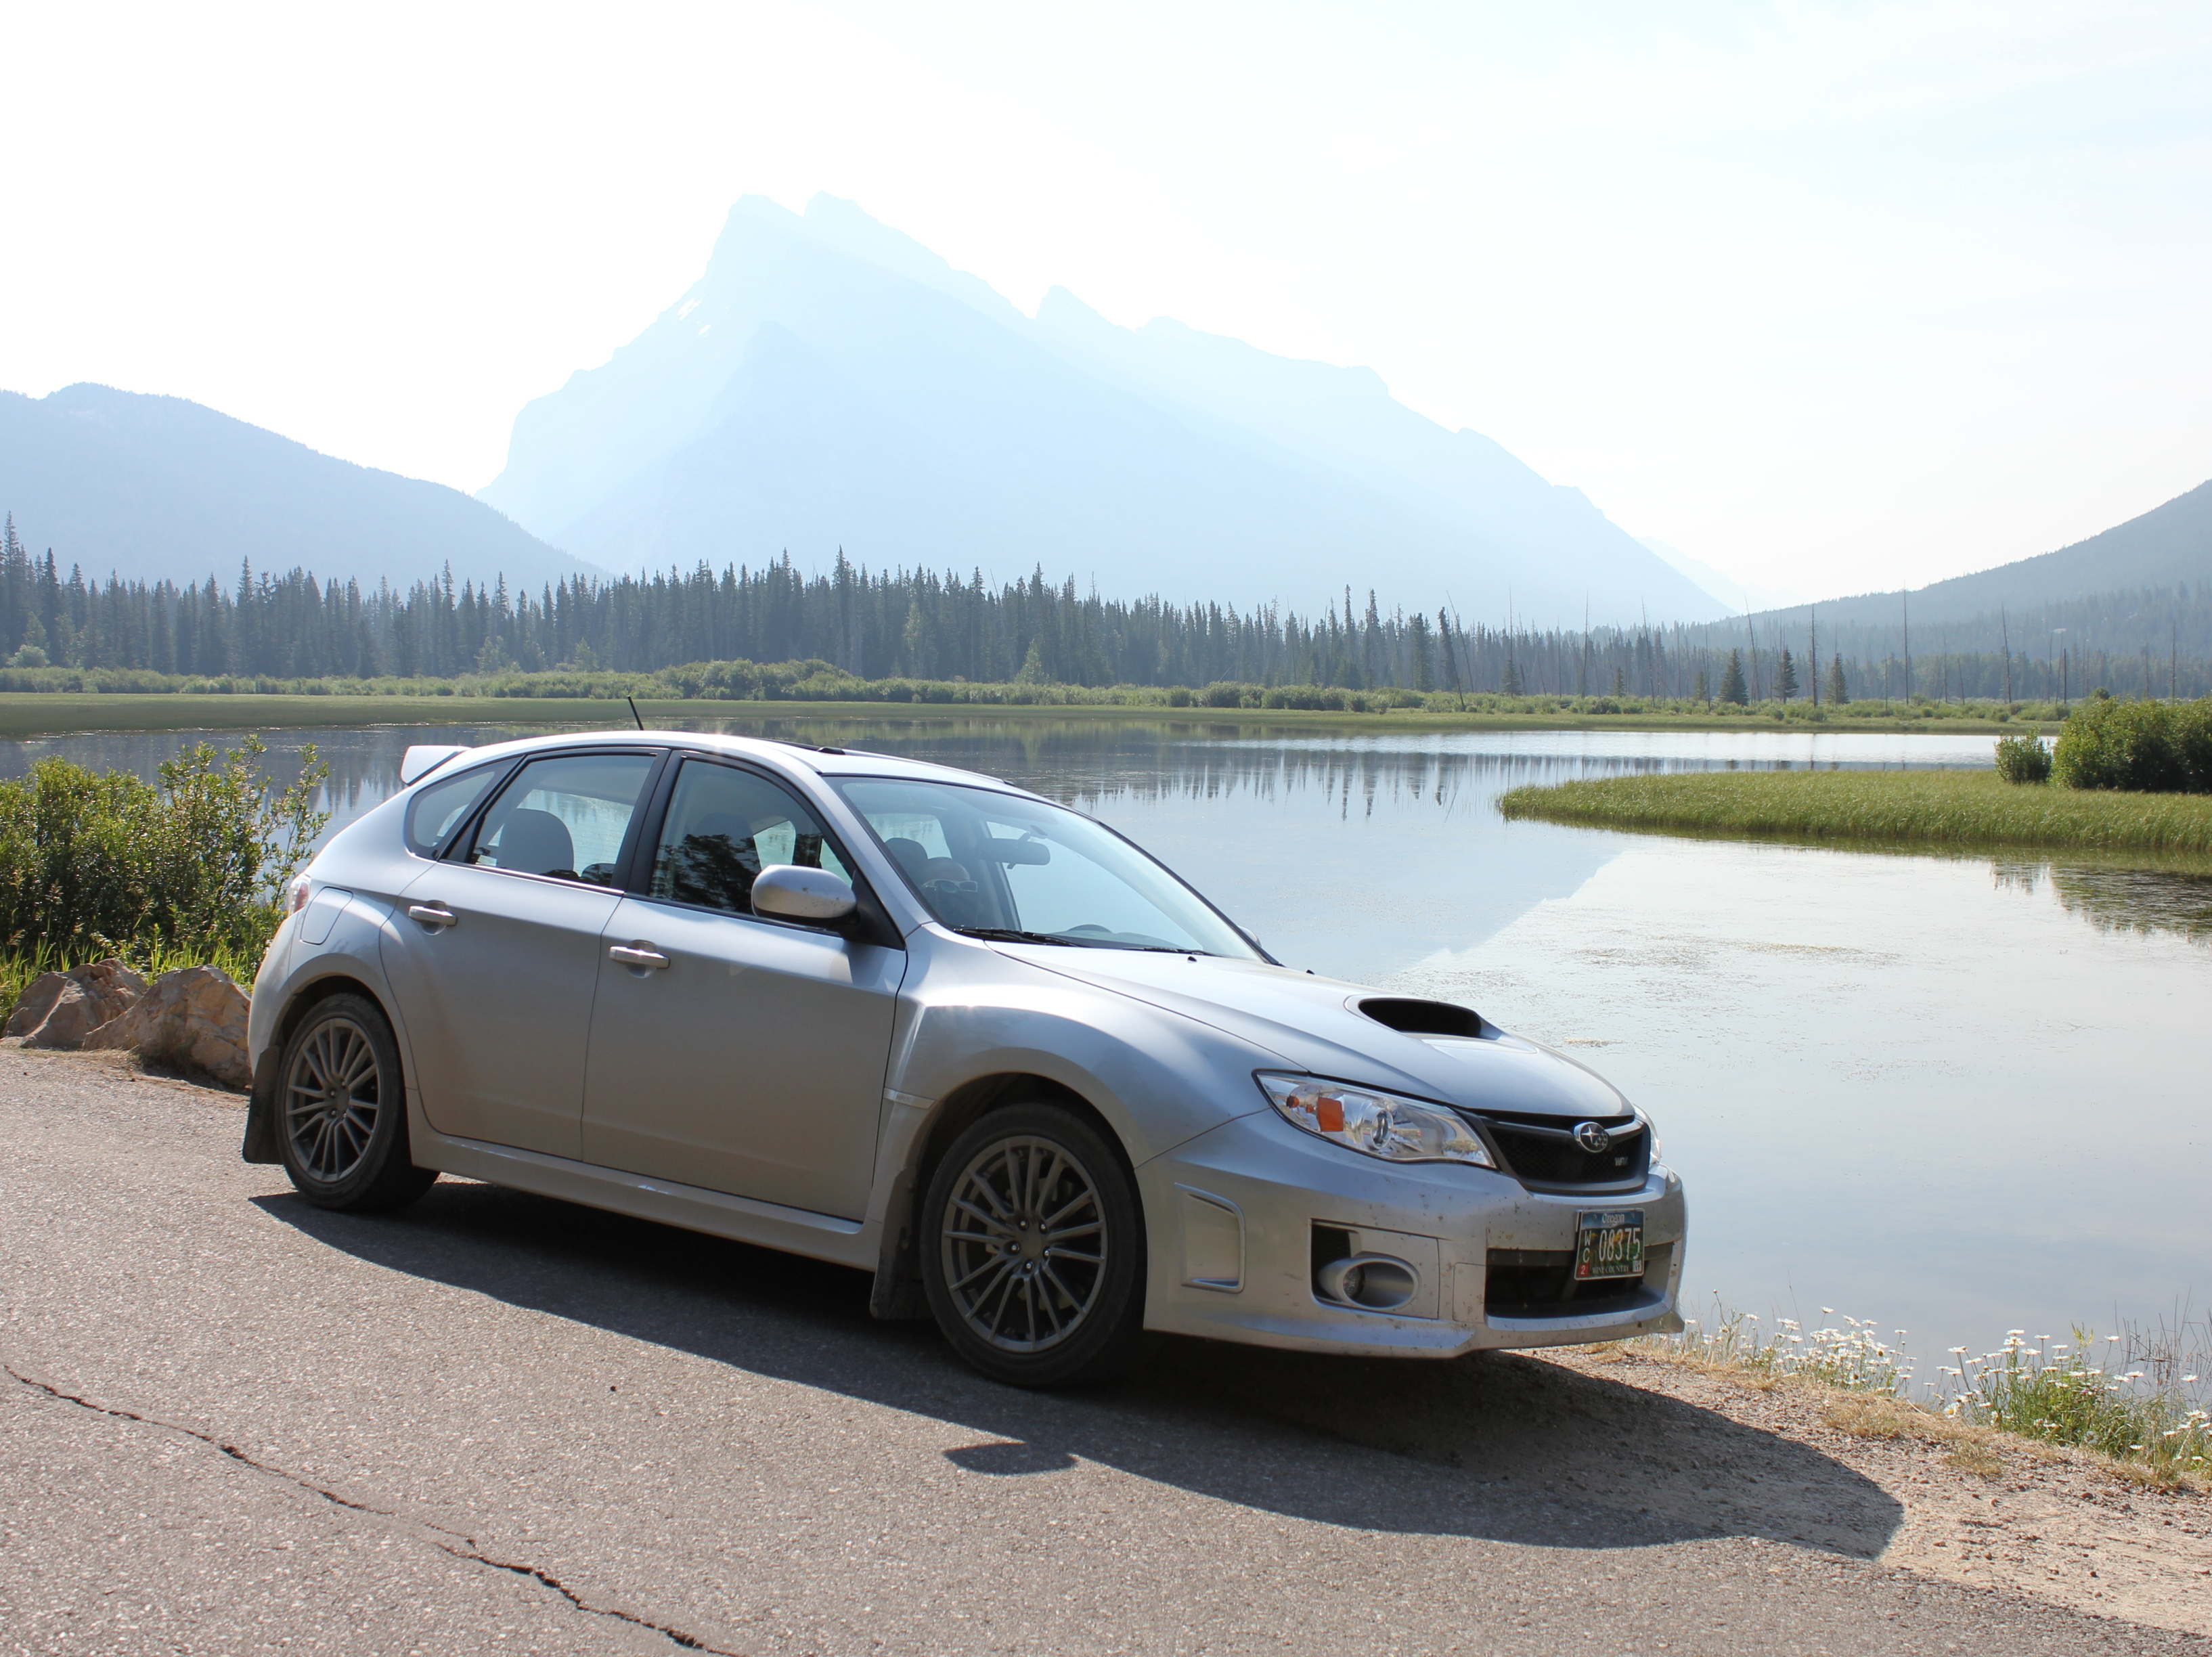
[[1414, 1017]]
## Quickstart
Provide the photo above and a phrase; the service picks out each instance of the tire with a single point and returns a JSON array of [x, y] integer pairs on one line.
[[341, 1110], [1033, 1307]]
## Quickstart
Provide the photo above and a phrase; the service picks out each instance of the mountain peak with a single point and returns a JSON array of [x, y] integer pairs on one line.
[[913, 416]]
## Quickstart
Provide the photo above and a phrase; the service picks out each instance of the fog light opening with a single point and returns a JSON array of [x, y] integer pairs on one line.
[[1374, 1283]]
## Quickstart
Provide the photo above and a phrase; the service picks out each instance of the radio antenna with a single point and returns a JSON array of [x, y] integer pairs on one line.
[[634, 714]]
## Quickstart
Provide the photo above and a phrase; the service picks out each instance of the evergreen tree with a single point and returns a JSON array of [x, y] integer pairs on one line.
[[1839, 688], [1447, 634], [1733, 689], [1785, 678]]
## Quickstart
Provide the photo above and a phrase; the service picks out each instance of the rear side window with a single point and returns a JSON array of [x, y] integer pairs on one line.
[[565, 816], [437, 812]]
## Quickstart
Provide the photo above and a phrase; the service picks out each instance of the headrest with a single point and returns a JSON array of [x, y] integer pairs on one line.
[[536, 843]]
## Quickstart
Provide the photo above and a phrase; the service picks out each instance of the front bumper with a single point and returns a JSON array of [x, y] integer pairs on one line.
[[1233, 1217]]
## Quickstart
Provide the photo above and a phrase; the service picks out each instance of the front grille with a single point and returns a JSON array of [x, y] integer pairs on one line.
[[1546, 1156], [1539, 1282]]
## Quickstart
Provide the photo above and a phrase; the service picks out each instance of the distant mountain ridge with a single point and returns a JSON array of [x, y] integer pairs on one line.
[[2166, 546], [830, 383], [155, 488], [2123, 605]]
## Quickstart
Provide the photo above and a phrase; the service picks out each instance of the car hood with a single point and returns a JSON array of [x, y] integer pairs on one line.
[[1314, 1024]]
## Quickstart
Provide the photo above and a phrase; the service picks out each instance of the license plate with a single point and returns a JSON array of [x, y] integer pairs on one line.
[[1608, 1243]]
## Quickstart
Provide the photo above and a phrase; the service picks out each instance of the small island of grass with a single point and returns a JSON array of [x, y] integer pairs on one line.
[[1961, 809]]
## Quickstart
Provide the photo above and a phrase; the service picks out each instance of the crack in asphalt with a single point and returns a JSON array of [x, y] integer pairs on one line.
[[462, 1547]]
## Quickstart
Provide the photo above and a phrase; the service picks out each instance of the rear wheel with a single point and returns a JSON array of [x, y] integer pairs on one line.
[[1034, 1251], [342, 1110]]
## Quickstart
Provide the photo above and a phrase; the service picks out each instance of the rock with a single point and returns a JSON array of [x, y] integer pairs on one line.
[[193, 1019], [59, 1009]]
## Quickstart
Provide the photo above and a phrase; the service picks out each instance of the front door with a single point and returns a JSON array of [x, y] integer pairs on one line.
[[752, 1061], [494, 957]]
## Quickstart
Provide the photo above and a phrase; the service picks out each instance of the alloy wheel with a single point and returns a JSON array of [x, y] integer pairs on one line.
[[1024, 1244], [332, 1094]]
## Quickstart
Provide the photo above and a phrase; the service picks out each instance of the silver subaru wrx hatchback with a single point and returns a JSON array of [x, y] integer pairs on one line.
[[918, 1022]]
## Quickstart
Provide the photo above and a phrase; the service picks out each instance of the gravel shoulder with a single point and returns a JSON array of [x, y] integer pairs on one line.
[[494, 1423], [2002, 1513]]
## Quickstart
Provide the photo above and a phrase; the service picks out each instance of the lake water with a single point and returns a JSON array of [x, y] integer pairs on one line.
[[1957, 1095]]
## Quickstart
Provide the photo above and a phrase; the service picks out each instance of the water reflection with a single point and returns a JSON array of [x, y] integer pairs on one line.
[[2117, 898]]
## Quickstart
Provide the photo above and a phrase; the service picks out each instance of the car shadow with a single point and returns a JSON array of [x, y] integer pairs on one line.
[[1493, 1444]]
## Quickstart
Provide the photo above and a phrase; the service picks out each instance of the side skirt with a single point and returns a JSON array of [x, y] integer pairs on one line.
[[742, 1219]]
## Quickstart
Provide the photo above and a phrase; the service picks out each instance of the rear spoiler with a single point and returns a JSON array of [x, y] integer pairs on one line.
[[420, 762]]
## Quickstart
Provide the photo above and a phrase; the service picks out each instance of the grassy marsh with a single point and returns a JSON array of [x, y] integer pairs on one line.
[[308, 704], [1966, 808]]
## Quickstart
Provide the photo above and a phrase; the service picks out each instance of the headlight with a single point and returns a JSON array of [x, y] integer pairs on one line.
[[1651, 1131], [295, 895], [1384, 1125]]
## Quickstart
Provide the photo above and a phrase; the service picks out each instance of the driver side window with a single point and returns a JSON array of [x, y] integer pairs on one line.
[[724, 826]]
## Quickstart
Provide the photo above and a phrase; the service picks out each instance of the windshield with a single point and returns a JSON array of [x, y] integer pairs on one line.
[[995, 865]]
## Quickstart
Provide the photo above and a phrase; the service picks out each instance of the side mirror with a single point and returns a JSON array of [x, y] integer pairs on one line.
[[786, 892]]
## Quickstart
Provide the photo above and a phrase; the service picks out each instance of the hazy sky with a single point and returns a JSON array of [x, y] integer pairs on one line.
[[1839, 296]]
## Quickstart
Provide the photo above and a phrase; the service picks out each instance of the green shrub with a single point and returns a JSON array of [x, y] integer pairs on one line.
[[2148, 747], [2076, 1392], [93, 862], [2023, 758]]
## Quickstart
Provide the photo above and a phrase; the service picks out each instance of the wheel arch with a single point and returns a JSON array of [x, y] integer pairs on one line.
[[260, 1145], [898, 1292]]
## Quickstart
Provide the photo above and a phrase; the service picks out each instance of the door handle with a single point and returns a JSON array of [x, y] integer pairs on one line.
[[639, 957], [436, 920]]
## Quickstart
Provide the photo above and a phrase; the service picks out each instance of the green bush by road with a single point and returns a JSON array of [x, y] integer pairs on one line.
[[190, 869]]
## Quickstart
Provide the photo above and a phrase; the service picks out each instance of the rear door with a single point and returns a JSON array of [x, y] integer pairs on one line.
[[742, 1054], [496, 961]]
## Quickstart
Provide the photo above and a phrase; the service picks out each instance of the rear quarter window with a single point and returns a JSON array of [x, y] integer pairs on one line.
[[435, 813]]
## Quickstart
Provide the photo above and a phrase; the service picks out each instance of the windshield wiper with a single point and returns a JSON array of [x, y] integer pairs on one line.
[[1012, 935]]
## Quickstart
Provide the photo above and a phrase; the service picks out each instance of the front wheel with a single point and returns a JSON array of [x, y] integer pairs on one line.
[[342, 1110], [1033, 1250]]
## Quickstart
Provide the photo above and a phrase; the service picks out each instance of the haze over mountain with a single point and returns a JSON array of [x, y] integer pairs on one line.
[[158, 487], [830, 383], [1726, 589]]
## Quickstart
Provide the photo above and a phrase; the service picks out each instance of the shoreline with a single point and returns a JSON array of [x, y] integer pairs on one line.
[[27, 713]]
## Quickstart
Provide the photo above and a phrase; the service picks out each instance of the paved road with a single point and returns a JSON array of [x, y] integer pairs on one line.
[[498, 1424]]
